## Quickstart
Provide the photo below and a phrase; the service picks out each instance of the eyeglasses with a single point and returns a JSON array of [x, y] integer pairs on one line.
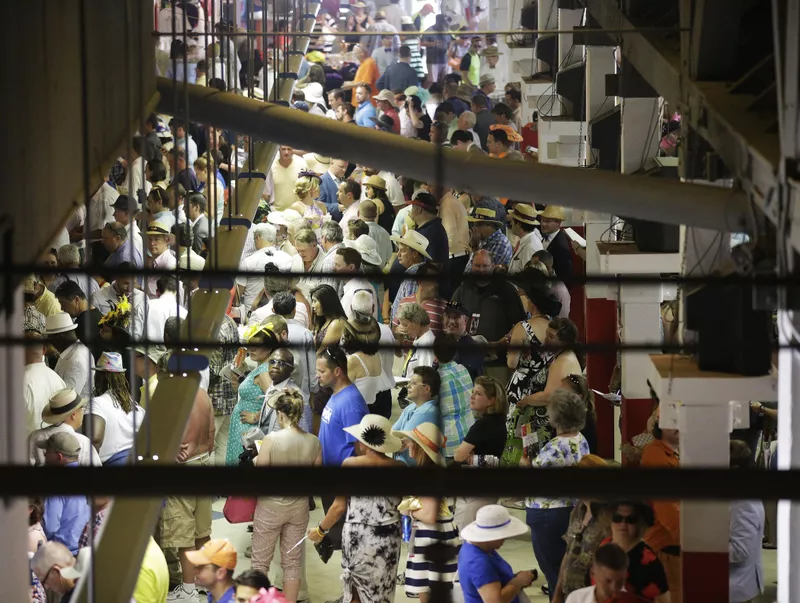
[[628, 519], [280, 363]]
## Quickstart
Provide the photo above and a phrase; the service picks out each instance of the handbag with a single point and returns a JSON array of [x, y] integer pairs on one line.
[[238, 509]]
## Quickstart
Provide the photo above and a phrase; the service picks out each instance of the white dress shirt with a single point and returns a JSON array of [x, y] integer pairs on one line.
[[39, 383], [304, 354], [100, 210], [256, 263], [300, 316], [529, 244], [166, 261], [157, 311], [74, 366]]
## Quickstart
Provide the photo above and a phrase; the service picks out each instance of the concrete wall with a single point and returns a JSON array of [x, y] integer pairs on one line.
[[43, 127]]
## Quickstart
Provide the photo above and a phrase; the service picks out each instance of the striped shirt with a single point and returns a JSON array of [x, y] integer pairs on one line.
[[417, 63], [454, 393]]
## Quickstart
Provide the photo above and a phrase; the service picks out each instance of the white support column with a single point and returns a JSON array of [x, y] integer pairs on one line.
[[600, 61], [788, 458], [14, 572], [640, 133], [567, 19], [547, 14]]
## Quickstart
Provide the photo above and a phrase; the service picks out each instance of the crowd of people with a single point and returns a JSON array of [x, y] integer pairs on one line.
[[376, 321]]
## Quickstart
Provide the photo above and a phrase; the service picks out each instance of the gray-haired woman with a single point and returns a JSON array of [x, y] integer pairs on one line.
[[415, 324], [548, 518]]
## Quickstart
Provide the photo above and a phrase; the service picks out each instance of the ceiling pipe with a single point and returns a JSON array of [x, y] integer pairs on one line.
[[656, 199]]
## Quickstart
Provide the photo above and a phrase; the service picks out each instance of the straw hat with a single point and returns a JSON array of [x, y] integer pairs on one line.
[[493, 522], [367, 247], [415, 240], [483, 214], [523, 212], [59, 323], [490, 51], [109, 362], [465, 92], [375, 432], [283, 218], [375, 181], [386, 95], [554, 212], [428, 437], [61, 404]]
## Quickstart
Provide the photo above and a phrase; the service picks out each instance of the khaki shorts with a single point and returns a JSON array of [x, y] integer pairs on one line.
[[186, 518]]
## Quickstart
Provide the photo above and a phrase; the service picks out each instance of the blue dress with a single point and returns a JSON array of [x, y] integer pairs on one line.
[[250, 400]]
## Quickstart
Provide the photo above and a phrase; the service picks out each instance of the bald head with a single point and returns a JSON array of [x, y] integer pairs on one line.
[[482, 262]]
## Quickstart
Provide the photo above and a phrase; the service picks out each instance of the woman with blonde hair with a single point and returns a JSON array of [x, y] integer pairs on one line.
[[483, 445], [433, 523], [307, 190], [284, 517], [211, 185]]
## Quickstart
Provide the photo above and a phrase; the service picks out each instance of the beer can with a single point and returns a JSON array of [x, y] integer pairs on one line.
[[406, 521]]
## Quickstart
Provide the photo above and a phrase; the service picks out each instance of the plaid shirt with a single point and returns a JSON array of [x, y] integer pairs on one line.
[[99, 518], [454, 394], [498, 246], [223, 398]]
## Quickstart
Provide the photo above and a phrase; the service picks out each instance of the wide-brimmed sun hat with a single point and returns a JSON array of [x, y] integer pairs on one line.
[[428, 437], [415, 240], [283, 218], [490, 51], [386, 95], [367, 247], [375, 432], [493, 522], [554, 212], [61, 404], [314, 93]]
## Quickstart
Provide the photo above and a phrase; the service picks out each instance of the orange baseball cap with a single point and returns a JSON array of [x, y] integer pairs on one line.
[[219, 552]]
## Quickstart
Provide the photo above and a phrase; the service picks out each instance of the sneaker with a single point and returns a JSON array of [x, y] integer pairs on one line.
[[178, 594]]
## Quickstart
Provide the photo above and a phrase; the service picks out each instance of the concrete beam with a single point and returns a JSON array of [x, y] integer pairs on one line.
[[658, 200]]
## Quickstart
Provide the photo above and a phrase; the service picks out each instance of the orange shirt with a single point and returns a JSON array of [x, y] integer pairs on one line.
[[667, 529], [368, 73]]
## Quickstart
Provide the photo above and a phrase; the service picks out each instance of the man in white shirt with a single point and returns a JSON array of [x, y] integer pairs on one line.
[[101, 209], [331, 240], [138, 185], [349, 199], [161, 256], [75, 362], [125, 211], [39, 382], [284, 174], [180, 137], [64, 412], [523, 226], [348, 261], [264, 237], [609, 573], [158, 310]]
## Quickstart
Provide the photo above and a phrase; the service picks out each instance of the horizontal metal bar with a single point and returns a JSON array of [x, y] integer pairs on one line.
[[656, 199], [756, 280], [405, 34], [601, 484]]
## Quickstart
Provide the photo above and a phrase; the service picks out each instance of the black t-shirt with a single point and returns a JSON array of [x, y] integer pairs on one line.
[[466, 62], [488, 435], [424, 133]]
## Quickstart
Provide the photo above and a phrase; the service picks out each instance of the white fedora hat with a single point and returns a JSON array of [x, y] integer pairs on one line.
[[368, 249], [493, 522], [375, 432], [416, 241], [62, 403], [283, 218], [59, 323]]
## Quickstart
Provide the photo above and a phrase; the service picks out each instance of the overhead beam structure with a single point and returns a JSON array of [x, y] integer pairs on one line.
[[741, 138], [633, 196]]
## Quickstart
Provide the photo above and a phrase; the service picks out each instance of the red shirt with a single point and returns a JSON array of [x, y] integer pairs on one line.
[[392, 112]]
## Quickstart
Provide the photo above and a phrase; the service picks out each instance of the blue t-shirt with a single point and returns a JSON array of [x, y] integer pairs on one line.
[[413, 416], [342, 410], [477, 568]]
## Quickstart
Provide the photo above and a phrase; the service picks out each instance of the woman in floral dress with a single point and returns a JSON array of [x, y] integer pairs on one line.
[[261, 342], [371, 537], [548, 518], [530, 367]]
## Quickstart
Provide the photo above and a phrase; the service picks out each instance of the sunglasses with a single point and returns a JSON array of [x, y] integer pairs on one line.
[[278, 362], [628, 519]]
